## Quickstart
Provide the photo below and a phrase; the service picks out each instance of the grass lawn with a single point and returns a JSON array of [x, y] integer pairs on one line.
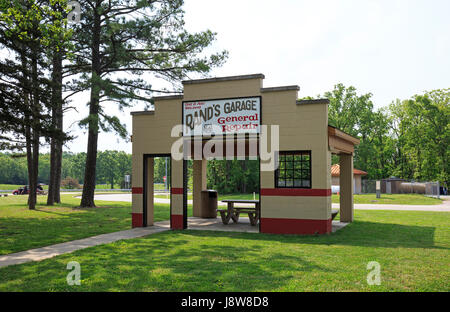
[[221, 197], [22, 229], [394, 199], [397, 199], [12, 187], [411, 247]]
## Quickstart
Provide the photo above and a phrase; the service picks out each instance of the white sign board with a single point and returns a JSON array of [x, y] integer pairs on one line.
[[224, 116]]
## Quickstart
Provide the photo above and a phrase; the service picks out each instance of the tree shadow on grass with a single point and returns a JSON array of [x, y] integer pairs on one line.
[[165, 262], [358, 233], [53, 225], [18, 234]]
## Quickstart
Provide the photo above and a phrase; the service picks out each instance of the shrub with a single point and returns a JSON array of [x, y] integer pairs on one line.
[[70, 183]]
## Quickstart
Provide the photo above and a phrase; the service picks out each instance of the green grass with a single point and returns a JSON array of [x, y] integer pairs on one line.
[[394, 199], [22, 229], [397, 199], [12, 187], [411, 247], [221, 197], [157, 186]]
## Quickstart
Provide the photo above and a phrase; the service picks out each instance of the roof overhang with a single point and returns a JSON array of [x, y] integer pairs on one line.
[[340, 142]]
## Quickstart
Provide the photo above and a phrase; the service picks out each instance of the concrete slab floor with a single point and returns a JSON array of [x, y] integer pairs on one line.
[[242, 226]]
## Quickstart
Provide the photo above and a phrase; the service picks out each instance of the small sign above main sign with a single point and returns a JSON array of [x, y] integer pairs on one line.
[[220, 117]]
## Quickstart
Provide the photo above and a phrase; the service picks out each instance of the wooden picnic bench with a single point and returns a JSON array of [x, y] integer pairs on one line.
[[233, 212]]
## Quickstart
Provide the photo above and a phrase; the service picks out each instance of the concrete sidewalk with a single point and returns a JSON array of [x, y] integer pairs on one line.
[[68, 247]]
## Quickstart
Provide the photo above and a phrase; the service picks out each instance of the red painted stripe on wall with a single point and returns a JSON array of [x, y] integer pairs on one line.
[[176, 222], [295, 192], [137, 190], [295, 226], [136, 220], [176, 190]]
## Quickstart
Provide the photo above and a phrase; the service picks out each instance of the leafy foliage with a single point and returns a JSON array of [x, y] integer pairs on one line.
[[409, 139], [70, 183]]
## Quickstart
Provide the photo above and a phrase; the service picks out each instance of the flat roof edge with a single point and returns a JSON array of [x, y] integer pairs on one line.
[[318, 101], [219, 79], [282, 88], [168, 97], [148, 112]]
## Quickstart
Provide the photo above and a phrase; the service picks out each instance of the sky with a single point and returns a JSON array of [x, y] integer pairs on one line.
[[392, 49]]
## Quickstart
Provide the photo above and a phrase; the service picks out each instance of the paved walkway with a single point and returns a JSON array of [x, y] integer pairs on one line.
[[445, 206], [67, 247]]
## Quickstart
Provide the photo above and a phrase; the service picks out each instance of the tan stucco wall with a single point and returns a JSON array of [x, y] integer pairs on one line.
[[222, 89], [302, 127]]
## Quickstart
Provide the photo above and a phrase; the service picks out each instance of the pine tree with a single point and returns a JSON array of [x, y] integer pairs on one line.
[[117, 41], [26, 32]]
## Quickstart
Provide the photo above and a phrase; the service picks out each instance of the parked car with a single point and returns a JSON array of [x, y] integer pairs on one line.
[[25, 190]]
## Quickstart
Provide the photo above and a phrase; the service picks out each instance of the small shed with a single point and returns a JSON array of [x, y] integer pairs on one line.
[[357, 175]]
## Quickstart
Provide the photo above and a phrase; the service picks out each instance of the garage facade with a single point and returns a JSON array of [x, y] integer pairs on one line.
[[291, 139]]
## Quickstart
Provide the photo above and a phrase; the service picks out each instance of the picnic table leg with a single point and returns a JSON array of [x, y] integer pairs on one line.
[[255, 218], [232, 213], [225, 217]]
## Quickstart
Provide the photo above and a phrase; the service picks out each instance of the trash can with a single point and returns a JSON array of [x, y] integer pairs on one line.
[[209, 204]]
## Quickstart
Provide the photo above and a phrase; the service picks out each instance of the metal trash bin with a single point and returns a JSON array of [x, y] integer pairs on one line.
[[209, 204]]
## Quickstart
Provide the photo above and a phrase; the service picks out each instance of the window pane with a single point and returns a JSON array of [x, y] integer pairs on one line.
[[294, 170], [305, 174]]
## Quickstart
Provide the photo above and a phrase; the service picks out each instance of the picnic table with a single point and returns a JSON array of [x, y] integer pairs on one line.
[[233, 212]]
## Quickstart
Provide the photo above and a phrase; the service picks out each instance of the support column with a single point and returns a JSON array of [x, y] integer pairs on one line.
[[346, 187], [176, 201], [199, 184], [149, 190], [137, 190]]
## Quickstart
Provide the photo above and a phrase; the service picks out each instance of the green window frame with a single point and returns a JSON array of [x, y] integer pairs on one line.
[[294, 169]]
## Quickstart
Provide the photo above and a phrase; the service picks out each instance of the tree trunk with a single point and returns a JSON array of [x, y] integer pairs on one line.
[[56, 141], [51, 180], [28, 123], [33, 148], [87, 199], [58, 152], [28, 138]]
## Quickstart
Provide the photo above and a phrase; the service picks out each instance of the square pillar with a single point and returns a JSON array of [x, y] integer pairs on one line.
[[199, 184], [149, 189], [137, 190], [346, 187], [176, 195]]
